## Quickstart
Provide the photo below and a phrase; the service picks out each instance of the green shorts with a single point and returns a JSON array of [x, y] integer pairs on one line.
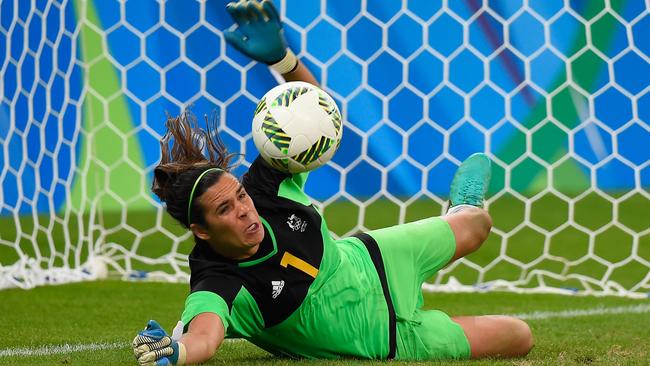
[[411, 254]]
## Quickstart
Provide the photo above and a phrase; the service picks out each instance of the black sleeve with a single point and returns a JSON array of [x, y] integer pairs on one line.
[[225, 286], [208, 273], [261, 177]]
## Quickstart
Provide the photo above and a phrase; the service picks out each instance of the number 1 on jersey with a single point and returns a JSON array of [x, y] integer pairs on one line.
[[289, 259]]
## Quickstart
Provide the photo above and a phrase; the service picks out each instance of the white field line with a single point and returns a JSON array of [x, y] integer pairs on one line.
[[632, 309], [60, 349], [70, 348]]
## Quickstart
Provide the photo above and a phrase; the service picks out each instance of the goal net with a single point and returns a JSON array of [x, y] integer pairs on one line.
[[557, 93]]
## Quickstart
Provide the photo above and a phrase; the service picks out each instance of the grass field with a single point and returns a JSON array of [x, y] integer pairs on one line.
[[111, 312], [107, 314]]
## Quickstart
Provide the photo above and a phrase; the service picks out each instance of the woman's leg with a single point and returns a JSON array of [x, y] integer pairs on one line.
[[470, 223], [496, 335], [471, 227], [412, 253]]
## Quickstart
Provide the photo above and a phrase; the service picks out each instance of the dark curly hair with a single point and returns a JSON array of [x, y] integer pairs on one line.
[[186, 152]]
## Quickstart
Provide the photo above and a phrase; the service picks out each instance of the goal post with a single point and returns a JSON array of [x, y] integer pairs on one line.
[[556, 93]]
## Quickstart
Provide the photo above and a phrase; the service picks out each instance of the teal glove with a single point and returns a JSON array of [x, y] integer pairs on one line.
[[153, 347], [258, 33]]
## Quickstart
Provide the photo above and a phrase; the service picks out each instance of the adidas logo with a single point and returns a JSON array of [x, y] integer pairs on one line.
[[277, 288]]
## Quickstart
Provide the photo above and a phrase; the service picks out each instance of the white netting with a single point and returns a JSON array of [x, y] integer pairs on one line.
[[555, 91]]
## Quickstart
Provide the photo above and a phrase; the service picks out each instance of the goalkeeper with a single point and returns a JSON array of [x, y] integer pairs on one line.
[[265, 268]]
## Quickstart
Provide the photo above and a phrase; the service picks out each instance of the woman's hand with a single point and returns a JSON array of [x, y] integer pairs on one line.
[[153, 347], [258, 32]]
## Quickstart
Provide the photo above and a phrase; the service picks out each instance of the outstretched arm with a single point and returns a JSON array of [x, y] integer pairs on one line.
[[258, 34], [154, 347], [301, 73], [204, 336]]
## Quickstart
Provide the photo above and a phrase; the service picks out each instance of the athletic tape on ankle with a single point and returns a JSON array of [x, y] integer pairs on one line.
[[458, 208], [182, 354], [288, 63]]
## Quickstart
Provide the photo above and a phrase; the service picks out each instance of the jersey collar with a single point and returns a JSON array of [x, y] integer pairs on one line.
[[252, 262]]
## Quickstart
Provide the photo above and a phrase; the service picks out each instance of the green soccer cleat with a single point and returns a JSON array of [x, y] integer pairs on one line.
[[471, 181]]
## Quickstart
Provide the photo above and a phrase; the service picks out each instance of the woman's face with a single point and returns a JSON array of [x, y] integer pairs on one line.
[[233, 228]]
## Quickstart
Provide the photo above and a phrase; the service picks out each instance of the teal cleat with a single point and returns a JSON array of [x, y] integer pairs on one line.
[[471, 181]]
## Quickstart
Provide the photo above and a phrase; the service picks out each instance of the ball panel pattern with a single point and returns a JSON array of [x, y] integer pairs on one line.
[[275, 134], [296, 134]]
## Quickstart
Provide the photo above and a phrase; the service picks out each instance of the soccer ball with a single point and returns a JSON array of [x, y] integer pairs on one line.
[[297, 127]]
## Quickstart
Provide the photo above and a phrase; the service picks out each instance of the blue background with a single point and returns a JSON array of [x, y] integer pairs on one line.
[[413, 108]]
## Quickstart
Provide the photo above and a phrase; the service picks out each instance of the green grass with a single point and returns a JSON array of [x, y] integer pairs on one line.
[[113, 311]]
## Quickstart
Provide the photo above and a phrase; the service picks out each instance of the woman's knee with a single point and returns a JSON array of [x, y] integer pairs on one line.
[[483, 225], [496, 336], [516, 336], [522, 337]]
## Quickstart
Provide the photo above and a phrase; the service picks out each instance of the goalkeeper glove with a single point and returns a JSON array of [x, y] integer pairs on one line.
[[258, 34], [153, 347]]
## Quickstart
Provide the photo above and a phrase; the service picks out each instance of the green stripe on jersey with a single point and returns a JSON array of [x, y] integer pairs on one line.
[[292, 188], [205, 302]]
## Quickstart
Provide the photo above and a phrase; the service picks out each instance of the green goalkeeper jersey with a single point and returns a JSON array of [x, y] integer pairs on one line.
[[302, 294]]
